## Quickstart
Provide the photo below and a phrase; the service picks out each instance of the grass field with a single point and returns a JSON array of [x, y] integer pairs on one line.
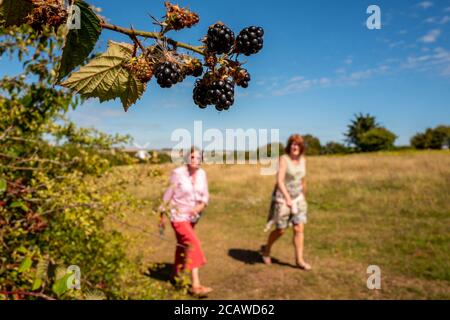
[[387, 209]]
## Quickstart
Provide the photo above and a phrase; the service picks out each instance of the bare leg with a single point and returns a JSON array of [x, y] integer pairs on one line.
[[298, 244], [274, 236], [195, 278], [196, 288]]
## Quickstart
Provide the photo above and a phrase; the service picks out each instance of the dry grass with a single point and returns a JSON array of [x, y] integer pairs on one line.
[[388, 209]]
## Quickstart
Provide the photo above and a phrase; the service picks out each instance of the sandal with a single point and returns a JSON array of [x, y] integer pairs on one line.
[[200, 292], [266, 259]]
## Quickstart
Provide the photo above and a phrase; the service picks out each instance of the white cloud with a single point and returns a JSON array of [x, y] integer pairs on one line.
[[425, 4], [437, 61], [431, 36]]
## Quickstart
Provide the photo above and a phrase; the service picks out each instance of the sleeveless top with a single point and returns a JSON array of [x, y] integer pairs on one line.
[[293, 177]]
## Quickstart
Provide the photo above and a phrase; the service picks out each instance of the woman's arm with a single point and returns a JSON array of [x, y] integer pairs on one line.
[[203, 202], [304, 179], [168, 195], [280, 181]]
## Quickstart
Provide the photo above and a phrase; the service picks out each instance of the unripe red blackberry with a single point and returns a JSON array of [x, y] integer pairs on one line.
[[219, 39], [168, 74], [250, 40]]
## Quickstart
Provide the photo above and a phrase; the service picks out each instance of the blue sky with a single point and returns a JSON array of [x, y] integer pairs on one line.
[[320, 65]]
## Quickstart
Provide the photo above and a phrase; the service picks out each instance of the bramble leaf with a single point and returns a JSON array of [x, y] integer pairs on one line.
[[104, 77], [79, 43]]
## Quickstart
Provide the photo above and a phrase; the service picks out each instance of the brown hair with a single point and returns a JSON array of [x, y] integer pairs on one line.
[[295, 139]]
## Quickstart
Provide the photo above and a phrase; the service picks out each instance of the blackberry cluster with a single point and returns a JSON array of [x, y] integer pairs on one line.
[[220, 39], [168, 74], [219, 93], [250, 40]]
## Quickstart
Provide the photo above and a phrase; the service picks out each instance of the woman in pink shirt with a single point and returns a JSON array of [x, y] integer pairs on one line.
[[187, 196]]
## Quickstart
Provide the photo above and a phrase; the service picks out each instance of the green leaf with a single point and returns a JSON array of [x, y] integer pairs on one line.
[[19, 204], [25, 265], [104, 77], [3, 186], [60, 285], [14, 12], [80, 42], [36, 284]]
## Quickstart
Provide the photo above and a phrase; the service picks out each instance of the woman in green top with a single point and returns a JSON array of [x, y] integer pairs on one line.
[[289, 205]]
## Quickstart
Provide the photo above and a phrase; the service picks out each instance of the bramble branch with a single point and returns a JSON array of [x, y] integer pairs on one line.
[[153, 35]]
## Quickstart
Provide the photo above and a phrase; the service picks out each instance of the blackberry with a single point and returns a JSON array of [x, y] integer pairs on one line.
[[250, 40], [141, 68], [220, 39], [221, 94], [198, 71], [193, 67], [200, 94], [168, 74], [242, 77]]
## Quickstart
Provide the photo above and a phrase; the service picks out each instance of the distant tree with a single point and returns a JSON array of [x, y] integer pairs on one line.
[[313, 146], [359, 126], [441, 136], [435, 138], [421, 140], [335, 148], [377, 139]]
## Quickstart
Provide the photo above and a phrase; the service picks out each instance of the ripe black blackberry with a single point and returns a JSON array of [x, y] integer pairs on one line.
[[200, 94], [250, 40], [220, 39], [221, 94], [168, 74]]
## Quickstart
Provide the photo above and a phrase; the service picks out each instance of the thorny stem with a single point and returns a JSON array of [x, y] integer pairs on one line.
[[153, 35]]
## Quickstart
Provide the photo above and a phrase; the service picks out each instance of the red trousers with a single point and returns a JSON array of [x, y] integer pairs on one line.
[[189, 254]]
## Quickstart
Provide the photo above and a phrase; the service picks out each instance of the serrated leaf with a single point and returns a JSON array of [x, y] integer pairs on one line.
[[60, 285], [79, 43], [25, 265], [3, 186], [104, 77], [14, 12]]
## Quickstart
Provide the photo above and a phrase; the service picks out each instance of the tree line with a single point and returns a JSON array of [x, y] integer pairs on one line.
[[365, 134]]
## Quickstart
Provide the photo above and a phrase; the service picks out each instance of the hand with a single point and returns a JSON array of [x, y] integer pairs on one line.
[[162, 223], [289, 202], [198, 209]]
